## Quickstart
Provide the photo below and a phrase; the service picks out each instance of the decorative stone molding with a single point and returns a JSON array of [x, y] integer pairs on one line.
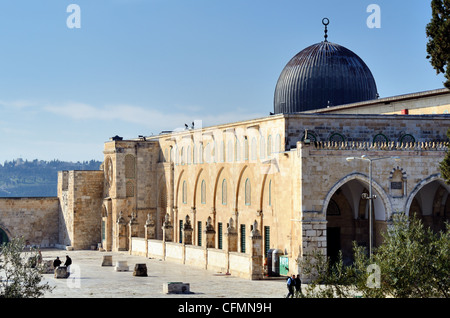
[[390, 145]]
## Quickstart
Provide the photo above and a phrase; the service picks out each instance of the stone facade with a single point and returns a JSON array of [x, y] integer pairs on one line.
[[208, 187], [80, 195], [222, 197]]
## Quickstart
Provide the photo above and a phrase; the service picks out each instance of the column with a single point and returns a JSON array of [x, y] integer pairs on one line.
[[122, 237], [256, 252]]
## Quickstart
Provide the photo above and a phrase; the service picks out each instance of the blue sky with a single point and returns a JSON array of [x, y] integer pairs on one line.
[[137, 67]]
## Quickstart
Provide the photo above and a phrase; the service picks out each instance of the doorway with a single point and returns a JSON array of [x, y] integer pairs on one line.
[[333, 243]]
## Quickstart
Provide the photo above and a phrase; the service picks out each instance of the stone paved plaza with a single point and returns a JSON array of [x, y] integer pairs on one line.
[[89, 279]]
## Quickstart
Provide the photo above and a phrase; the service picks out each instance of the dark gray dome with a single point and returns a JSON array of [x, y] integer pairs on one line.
[[321, 75]]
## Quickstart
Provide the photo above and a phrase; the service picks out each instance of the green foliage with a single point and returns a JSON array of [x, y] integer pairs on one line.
[[438, 33], [37, 178], [444, 165], [20, 271], [412, 261], [415, 261]]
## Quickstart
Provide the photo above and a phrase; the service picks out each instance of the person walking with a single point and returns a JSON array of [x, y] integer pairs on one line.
[[298, 285], [290, 286]]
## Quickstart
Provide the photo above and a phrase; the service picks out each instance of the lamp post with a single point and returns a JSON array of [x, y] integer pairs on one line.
[[370, 197]]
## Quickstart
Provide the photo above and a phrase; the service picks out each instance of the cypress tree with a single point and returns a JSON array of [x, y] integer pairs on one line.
[[438, 34]]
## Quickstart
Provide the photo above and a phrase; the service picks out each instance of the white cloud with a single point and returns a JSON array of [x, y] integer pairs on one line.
[[147, 117], [18, 104]]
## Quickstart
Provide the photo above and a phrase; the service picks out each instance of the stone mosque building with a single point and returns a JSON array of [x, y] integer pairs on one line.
[[232, 197]]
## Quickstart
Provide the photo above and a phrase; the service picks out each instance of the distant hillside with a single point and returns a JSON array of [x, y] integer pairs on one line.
[[37, 178]]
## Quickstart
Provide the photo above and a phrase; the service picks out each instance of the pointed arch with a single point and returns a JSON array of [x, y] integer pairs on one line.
[[194, 198], [216, 182], [365, 180], [420, 185], [180, 176], [238, 185], [263, 187]]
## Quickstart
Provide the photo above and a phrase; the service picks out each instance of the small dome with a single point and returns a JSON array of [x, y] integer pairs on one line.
[[322, 75]]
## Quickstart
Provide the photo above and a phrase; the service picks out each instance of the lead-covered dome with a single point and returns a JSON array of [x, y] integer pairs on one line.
[[321, 75]]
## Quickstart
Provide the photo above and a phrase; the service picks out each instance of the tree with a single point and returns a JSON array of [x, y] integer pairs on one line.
[[412, 262], [438, 33], [20, 271]]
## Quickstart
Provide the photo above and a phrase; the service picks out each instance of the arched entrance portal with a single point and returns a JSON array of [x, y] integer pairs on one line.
[[3, 237], [431, 204], [347, 217]]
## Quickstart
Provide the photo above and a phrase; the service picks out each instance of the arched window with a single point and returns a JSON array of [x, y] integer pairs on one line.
[[380, 138], [254, 148], [248, 192], [278, 146], [208, 153], [222, 152], [194, 155], [236, 149], [269, 146], [184, 192], [262, 148], [130, 166], [200, 153], [246, 148], [224, 192], [129, 189], [182, 156], [203, 192], [188, 155], [176, 159]]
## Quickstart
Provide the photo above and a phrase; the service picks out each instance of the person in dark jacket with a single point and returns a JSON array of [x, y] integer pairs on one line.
[[298, 285], [57, 262], [67, 263], [290, 286]]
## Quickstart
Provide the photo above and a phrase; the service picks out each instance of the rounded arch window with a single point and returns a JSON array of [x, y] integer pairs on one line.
[[336, 137], [311, 136], [380, 138], [407, 138]]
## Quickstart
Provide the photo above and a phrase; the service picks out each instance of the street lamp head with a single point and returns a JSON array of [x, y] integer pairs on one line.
[[364, 156], [350, 158]]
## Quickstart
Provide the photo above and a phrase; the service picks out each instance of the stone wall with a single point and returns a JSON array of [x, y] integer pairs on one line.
[[81, 196], [234, 263], [36, 219], [366, 128]]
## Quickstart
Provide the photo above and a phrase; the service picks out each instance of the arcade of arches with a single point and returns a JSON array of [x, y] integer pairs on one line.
[[348, 215]]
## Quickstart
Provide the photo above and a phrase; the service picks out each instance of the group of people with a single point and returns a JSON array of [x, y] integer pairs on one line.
[[57, 262], [294, 283]]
